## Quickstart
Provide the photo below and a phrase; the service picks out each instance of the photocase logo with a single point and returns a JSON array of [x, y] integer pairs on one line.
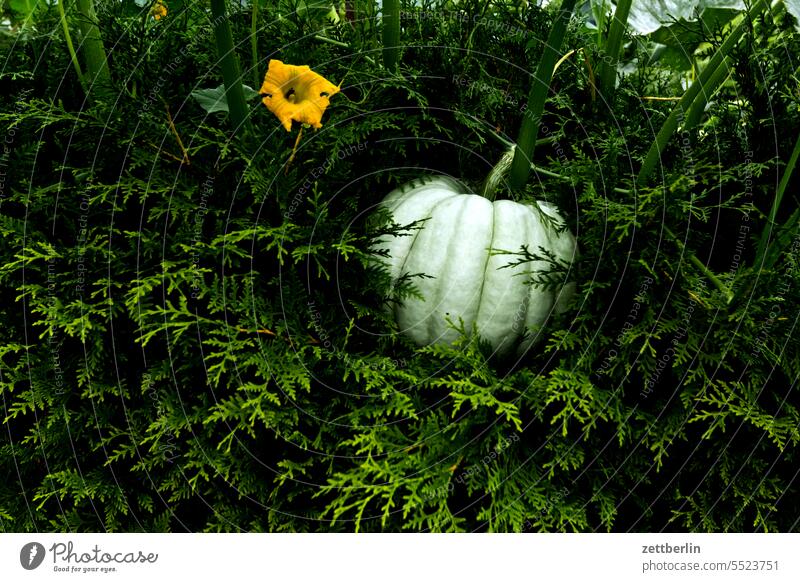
[[31, 555]]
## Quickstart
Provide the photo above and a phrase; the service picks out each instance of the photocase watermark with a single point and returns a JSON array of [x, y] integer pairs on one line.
[[31, 555], [550, 503], [166, 448], [52, 337], [744, 228], [83, 231], [167, 73], [686, 145], [494, 25], [8, 143], [206, 190], [476, 85], [782, 290], [555, 145], [319, 171], [95, 560], [520, 316], [82, 561], [738, 250]]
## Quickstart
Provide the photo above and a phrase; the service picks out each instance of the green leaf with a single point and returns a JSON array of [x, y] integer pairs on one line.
[[213, 100], [649, 17], [687, 35]]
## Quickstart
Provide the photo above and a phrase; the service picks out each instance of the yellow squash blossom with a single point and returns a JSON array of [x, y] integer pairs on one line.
[[159, 10], [296, 93]]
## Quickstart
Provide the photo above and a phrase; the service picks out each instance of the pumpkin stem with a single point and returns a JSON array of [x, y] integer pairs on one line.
[[497, 175], [529, 129]]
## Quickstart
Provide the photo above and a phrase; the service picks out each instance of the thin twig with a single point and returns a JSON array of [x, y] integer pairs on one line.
[[699, 264], [294, 150], [321, 38], [264, 331], [271, 333], [163, 151], [649, 98], [172, 128]]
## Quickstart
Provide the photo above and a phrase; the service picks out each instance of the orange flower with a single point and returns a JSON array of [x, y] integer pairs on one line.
[[296, 93], [159, 10]]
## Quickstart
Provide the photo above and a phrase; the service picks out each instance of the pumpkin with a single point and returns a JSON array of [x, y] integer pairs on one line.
[[466, 279]]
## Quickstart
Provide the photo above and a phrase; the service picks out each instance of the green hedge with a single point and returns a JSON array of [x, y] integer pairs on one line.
[[199, 343]]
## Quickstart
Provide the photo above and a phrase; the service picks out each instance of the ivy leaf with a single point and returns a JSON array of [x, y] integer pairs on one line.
[[213, 100]]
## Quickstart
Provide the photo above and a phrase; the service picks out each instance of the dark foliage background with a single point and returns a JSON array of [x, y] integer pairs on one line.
[[197, 344]]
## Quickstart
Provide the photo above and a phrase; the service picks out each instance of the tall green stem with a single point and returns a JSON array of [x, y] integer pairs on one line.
[[254, 44], [703, 83], [73, 56], [608, 69], [776, 202], [93, 50], [521, 166], [391, 33], [698, 107], [231, 75], [772, 252]]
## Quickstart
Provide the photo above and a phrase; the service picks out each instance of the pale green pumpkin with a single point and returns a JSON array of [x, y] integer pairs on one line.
[[466, 282]]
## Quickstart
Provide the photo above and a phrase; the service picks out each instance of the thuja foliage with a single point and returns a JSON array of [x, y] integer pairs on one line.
[[195, 336]]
